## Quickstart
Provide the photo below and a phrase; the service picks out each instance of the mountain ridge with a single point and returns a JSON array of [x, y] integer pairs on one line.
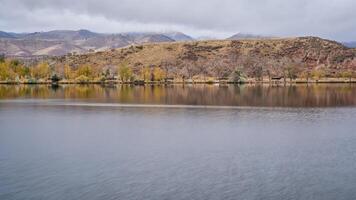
[[61, 42]]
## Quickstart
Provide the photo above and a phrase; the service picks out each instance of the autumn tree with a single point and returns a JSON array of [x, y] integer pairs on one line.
[[41, 71], [2, 58], [146, 74], [158, 74], [18, 68], [306, 75], [317, 74], [68, 72], [85, 70], [5, 71], [348, 74], [125, 73]]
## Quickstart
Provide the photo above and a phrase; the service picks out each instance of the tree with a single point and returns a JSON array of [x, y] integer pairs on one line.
[[253, 66], [347, 74], [292, 71], [189, 69], [18, 68], [158, 74], [317, 74], [125, 73], [167, 65], [41, 71], [220, 68], [146, 73], [68, 72], [2, 58], [55, 78], [237, 75], [5, 72], [82, 79], [85, 70], [306, 75]]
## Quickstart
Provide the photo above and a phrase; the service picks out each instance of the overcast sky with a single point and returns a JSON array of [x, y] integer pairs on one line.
[[333, 19]]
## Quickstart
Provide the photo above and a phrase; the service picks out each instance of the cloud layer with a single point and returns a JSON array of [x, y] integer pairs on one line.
[[334, 19]]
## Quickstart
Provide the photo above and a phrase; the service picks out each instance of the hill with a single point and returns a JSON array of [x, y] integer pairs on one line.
[[220, 58]]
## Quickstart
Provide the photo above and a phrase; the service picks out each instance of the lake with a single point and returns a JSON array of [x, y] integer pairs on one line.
[[178, 142]]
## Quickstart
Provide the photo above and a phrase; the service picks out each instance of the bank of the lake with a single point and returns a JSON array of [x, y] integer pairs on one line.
[[279, 81]]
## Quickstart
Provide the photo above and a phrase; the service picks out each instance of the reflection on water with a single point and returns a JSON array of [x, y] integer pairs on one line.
[[322, 95], [112, 151]]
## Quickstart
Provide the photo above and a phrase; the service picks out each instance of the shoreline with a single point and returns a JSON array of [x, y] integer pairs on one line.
[[323, 81]]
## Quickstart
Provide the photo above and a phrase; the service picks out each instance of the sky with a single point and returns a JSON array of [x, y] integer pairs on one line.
[[331, 19]]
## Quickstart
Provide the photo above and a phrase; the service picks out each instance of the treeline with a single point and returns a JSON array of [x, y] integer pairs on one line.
[[15, 71]]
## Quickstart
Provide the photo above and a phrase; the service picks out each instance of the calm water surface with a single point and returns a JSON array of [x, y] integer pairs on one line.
[[210, 142]]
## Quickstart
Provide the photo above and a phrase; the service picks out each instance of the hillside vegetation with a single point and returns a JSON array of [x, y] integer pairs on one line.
[[254, 58], [234, 60]]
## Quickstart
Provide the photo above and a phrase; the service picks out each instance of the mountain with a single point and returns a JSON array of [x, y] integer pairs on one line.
[[61, 35], [178, 36], [218, 57], [350, 44], [201, 38], [247, 36], [6, 35], [61, 42]]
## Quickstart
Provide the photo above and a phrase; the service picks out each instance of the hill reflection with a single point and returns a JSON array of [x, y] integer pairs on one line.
[[322, 95]]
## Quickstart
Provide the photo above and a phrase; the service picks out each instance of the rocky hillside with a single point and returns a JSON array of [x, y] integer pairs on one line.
[[62, 42], [220, 58]]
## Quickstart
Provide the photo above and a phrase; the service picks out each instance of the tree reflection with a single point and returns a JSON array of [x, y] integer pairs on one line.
[[321, 95]]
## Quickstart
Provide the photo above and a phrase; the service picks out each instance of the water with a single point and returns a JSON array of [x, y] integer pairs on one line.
[[93, 142]]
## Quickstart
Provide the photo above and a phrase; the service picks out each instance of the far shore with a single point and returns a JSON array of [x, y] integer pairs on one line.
[[249, 81]]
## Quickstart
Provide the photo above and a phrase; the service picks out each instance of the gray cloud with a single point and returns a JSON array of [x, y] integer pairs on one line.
[[334, 19]]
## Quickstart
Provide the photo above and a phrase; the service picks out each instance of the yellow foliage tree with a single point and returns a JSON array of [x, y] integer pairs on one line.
[[85, 70], [17, 67], [318, 74], [68, 72], [348, 74], [5, 72], [41, 71], [146, 73], [125, 73], [158, 74]]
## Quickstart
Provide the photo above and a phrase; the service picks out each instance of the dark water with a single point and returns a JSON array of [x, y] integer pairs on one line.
[[79, 143]]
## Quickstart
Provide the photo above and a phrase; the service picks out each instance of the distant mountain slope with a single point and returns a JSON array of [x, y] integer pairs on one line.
[[60, 49], [350, 44], [154, 38], [178, 36], [245, 36], [6, 35], [61, 35], [61, 42]]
